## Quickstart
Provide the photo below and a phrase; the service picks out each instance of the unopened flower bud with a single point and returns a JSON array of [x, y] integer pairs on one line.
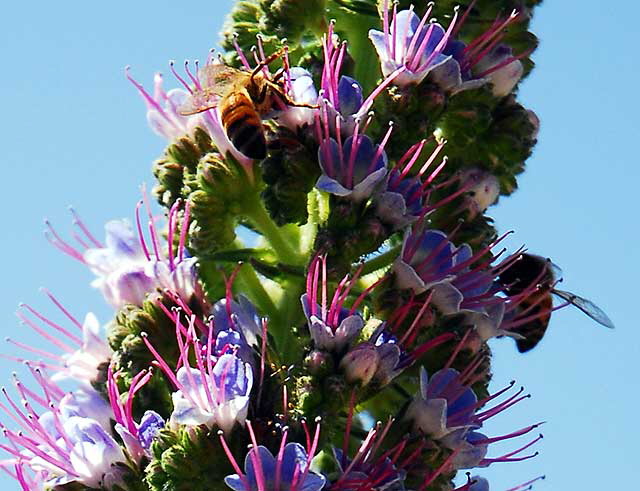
[[360, 364], [483, 193], [317, 361]]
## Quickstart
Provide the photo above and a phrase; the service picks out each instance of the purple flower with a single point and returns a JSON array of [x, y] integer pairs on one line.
[[287, 471], [84, 346], [446, 409], [360, 364], [302, 91], [128, 267], [368, 473], [482, 188], [332, 326], [216, 391], [478, 483], [237, 316], [163, 113], [63, 437], [393, 359], [403, 200], [410, 44], [483, 60], [444, 404], [353, 169], [341, 99], [429, 261], [137, 438]]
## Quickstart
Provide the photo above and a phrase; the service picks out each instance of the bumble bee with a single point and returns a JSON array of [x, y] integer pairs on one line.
[[529, 271], [243, 98]]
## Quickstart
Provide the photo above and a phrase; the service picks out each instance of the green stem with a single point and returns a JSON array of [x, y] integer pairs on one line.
[[253, 286], [381, 261], [290, 310], [277, 237]]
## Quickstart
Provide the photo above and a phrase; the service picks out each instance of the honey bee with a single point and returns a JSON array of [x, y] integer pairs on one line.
[[528, 271], [243, 98]]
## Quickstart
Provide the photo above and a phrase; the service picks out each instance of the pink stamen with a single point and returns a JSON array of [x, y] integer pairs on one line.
[[405, 34], [526, 485], [380, 148], [385, 26], [467, 11], [180, 79], [255, 459], [151, 103], [394, 28], [53, 237], [232, 460], [443, 42], [80, 224], [279, 459], [509, 456], [368, 102], [151, 225], [417, 319], [415, 60], [140, 234], [410, 54], [49, 337], [241, 55], [191, 76]]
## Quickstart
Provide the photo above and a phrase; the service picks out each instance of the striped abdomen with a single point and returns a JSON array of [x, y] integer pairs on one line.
[[243, 125], [537, 307]]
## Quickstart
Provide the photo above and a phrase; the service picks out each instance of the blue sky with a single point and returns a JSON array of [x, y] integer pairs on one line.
[[74, 132]]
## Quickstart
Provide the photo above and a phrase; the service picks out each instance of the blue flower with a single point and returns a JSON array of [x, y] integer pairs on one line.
[[411, 43], [218, 397], [332, 327], [353, 169], [403, 200], [128, 267], [482, 61], [429, 261], [240, 316], [286, 472], [443, 405], [150, 425]]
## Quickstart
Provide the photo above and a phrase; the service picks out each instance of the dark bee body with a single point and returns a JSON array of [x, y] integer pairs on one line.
[[525, 273], [242, 98], [536, 274], [243, 124]]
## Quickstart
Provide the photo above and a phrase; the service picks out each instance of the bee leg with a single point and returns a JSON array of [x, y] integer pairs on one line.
[[265, 62], [288, 100]]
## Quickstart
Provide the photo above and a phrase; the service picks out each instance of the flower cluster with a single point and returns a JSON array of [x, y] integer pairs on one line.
[[312, 261]]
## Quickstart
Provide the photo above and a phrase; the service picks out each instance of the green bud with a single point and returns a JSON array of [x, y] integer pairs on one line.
[[190, 459], [179, 161], [220, 186]]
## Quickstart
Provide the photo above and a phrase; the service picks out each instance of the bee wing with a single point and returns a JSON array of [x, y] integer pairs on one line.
[[557, 271], [199, 101], [215, 80], [219, 77], [587, 306]]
